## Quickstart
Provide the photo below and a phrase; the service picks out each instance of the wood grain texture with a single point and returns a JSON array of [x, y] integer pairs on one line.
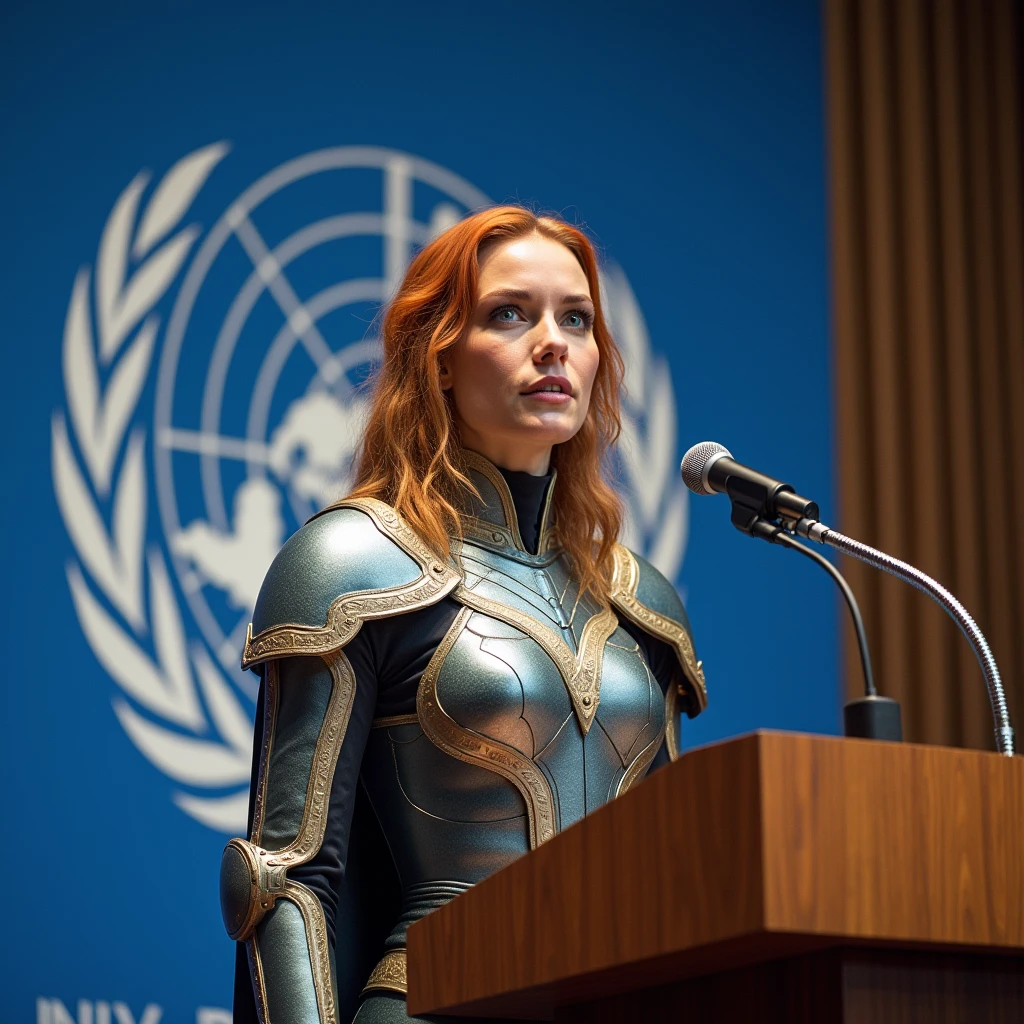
[[763, 847], [925, 121], [892, 842]]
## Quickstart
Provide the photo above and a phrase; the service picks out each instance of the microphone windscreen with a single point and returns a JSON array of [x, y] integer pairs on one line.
[[695, 461]]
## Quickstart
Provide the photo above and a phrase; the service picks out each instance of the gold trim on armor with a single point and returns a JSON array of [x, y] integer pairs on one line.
[[271, 689], [387, 723], [639, 765], [672, 695], [272, 865], [509, 536], [465, 745], [483, 532], [310, 835], [348, 612], [252, 949], [487, 469], [546, 539], [480, 533], [581, 672], [259, 988], [625, 579], [389, 975], [319, 948], [266, 884], [320, 963]]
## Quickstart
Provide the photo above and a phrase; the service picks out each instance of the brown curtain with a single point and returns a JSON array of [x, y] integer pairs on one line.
[[924, 125]]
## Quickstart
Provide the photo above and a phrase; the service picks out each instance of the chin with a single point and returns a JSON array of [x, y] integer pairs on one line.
[[551, 429], [548, 437]]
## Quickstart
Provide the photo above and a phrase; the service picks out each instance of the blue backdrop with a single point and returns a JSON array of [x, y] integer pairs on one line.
[[180, 349]]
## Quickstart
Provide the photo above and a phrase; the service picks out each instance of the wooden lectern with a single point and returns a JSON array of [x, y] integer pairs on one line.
[[771, 878]]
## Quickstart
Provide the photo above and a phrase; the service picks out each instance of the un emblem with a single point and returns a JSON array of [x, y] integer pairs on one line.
[[255, 410]]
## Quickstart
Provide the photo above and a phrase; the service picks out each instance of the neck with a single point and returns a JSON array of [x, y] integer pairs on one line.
[[513, 455]]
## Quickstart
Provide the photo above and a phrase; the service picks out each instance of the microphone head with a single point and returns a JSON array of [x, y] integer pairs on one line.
[[696, 463]]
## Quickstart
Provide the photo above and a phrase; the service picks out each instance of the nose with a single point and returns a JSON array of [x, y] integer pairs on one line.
[[550, 347]]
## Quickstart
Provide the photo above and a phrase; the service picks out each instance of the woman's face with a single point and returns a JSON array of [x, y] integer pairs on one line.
[[522, 373]]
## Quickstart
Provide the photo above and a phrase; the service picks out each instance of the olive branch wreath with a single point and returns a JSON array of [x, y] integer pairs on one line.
[[101, 492], [110, 332], [657, 510]]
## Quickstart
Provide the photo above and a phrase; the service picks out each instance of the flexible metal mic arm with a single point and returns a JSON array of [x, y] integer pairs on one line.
[[816, 531], [754, 498], [778, 535]]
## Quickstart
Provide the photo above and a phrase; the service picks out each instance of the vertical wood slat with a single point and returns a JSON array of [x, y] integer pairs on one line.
[[929, 540], [927, 201], [847, 276], [881, 202], [963, 441], [986, 333], [1009, 173]]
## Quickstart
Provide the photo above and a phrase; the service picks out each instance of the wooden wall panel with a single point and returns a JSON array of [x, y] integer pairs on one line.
[[927, 219]]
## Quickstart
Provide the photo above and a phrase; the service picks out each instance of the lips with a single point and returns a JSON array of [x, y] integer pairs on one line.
[[549, 386]]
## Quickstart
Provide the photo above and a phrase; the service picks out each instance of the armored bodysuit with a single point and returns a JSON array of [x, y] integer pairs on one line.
[[421, 724]]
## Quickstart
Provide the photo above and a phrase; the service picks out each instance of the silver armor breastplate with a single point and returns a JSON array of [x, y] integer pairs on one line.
[[543, 686], [536, 708]]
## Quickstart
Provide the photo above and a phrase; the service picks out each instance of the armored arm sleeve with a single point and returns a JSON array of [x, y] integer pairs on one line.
[[315, 723], [319, 693]]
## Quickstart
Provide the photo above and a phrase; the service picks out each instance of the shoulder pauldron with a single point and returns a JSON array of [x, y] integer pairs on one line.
[[356, 560], [647, 599]]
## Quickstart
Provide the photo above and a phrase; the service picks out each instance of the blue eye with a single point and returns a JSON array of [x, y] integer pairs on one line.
[[506, 315], [578, 320]]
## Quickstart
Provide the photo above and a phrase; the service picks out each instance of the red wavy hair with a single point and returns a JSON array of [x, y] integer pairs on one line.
[[411, 457]]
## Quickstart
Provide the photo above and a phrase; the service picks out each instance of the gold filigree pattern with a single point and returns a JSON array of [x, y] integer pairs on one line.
[[392, 720], [390, 974], [271, 691], [348, 612], [325, 756], [492, 474], [625, 579], [259, 987], [672, 720], [488, 534], [581, 672], [271, 866], [471, 747], [508, 536], [637, 768], [319, 948]]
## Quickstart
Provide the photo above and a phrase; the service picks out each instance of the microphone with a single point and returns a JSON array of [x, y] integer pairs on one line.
[[767, 508], [709, 468]]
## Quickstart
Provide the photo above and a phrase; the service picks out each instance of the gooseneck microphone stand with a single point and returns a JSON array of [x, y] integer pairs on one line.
[[872, 716], [767, 508], [943, 598]]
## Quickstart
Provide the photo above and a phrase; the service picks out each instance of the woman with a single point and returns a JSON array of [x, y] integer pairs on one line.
[[458, 659]]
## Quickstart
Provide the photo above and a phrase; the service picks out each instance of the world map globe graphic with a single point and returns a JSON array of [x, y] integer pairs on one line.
[[259, 394]]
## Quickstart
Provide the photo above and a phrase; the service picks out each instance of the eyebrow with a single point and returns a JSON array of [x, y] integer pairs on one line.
[[518, 293]]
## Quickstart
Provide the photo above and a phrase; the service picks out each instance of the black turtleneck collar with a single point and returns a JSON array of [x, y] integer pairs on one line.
[[528, 493]]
